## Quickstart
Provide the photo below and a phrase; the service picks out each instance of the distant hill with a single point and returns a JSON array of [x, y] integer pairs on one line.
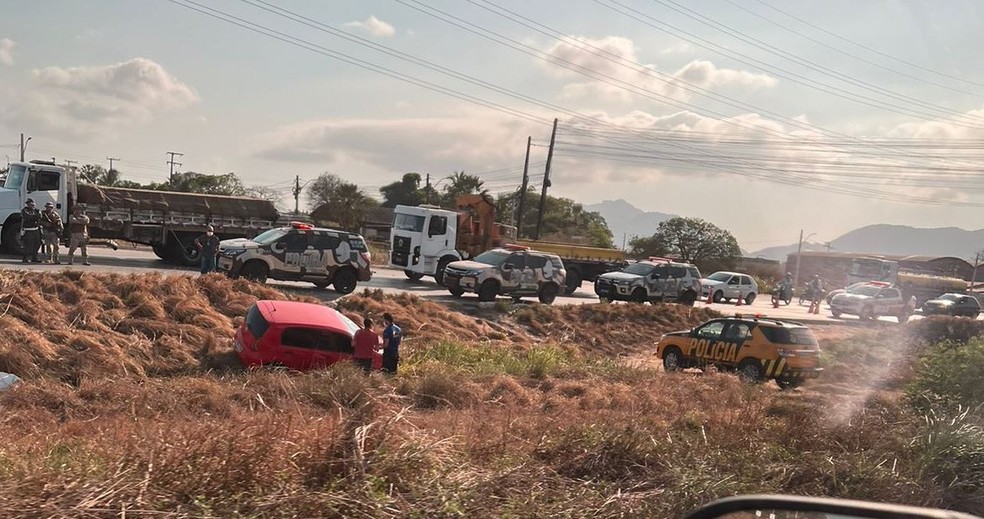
[[896, 239], [625, 219], [780, 252]]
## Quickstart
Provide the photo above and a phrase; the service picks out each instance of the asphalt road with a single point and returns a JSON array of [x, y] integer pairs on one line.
[[136, 261]]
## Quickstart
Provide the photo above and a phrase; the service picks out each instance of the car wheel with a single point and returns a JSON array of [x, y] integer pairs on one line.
[[672, 359], [413, 276], [835, 314], [639, 295], [254, 271], [866, 314], [785, 383], [718, 296], [749, 298], [750, 370], [688, 298], [345, 282], [548, 293], [488, 290], [456, 291]]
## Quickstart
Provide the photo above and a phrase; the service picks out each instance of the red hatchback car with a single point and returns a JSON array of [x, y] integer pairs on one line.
[[299, 336]]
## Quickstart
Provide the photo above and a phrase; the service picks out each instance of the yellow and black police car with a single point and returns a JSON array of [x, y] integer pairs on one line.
[[758, 347]]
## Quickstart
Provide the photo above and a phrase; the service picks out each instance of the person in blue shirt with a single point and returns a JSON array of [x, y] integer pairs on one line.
[[392, 336]]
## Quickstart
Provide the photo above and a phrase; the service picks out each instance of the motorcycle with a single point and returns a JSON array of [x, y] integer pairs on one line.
[[783, 292], [808, 295]]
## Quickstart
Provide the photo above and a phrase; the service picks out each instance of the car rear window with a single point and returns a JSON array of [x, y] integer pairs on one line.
[[694, 272], [316, 339], [358, 245], [799, 336], [255, 322]]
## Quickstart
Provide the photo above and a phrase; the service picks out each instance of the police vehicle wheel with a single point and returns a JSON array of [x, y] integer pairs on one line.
[[835, 314], [254, 271], [639, 295], [457, 291], [345, 281], [439, 275], [750, 370], [688, 298], [672, 360], [573, 281], [788, 383], [903, 317], [718, 296], [488, 290], [866, 314], [413, 276], [548, 293]]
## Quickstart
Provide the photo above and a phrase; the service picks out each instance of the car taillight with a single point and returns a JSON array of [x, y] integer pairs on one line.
[[366, 256]]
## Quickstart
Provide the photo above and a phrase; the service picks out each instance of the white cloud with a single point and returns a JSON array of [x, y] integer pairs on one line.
[[82, 102], [613, 59], [7, 51], [374, 26], [678, 48]]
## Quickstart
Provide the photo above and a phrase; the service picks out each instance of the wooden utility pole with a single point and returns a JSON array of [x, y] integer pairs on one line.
[[427, 190], [522, 191], [111, 160], [297, 194], [546, 181]]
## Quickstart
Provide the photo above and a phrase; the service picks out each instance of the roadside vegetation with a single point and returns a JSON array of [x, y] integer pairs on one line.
[[134, 404]]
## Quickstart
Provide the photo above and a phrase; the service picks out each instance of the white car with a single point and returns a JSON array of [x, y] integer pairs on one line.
[[871, 301], [725, 286]]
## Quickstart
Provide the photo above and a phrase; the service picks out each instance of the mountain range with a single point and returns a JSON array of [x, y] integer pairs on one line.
[[627, 221]]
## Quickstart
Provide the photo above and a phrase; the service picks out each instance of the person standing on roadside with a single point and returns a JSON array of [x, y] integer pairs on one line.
[[30, 231], [78, 226], [53, 227], [365, 343], [392, 336], [208, 249]]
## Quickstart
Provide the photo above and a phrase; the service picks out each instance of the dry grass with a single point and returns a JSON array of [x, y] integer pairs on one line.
[[133, 405]]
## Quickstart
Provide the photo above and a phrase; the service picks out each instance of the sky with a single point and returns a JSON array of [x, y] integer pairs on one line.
[[763, 117]]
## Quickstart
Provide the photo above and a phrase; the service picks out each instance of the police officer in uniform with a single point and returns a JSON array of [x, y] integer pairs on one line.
[[30, 231], [53, 227]]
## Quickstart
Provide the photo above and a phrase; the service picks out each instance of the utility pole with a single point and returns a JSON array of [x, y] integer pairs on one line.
[[170, 178], [799, 253], [23, 146], [977, 262], [522, 191], [71, 163], [111, 160], [297, 194], [546, 181], [427, 190]]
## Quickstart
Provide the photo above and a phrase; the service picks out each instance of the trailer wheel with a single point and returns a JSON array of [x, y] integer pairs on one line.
[[181, 250], [413, 276], [254, 271], [160, 250], [574, 281]]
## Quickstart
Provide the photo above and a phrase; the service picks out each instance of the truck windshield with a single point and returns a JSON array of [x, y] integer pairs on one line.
[[409, 222], [271, 236], [639, 269], [494, 258], [15, 177]]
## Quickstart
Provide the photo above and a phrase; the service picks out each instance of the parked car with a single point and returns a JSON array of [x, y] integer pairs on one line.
[[512, 271], [653, 280], [758, 348], [873, 300], [852, 287], [725, 286], [299, 336], [299, 252], [957, 305]]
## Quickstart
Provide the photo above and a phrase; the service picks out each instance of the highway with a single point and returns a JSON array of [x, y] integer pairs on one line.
[[139, 260]]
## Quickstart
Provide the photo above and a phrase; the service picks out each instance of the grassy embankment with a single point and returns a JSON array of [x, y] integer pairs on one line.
[[133, 403]]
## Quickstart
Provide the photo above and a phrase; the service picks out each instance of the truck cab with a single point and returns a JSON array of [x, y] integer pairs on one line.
[[424, 241], [44, 182]]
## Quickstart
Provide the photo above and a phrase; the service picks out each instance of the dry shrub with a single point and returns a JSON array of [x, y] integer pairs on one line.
[[939, 328]]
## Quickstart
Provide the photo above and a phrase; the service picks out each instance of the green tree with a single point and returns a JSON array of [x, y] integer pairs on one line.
[[337, 201], [563, 219], [406, 191], [691, 240], [98, 175], [460, 183], [191, 182]]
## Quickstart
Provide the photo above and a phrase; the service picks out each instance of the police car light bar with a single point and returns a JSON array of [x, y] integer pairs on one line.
[[302, 226], [511, 246], [659, 259]]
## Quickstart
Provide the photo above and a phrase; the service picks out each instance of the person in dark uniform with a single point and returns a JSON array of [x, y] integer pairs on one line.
[[392, 336], [208, 249], [31, 231]]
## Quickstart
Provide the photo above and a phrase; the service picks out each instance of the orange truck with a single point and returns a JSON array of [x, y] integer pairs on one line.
[[425, 239]]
